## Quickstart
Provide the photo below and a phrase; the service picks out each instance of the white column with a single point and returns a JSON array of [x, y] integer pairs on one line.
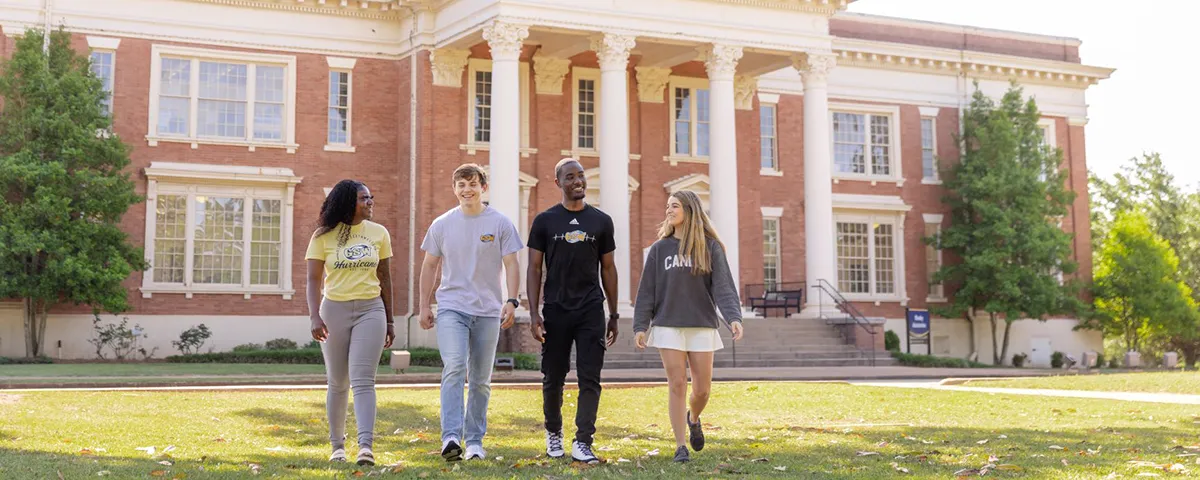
[[820, 254], [721, 63], [505, 40], [613, 53]]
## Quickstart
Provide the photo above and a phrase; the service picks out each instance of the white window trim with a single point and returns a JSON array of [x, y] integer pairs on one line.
[[692, 83], [347, 147], [933, 130], [196, 54], [267, 182], [1051, 130], [485, 65], [775, 213], [894, 134], [577, 74], [107, 45], [776, 171], [897, 222]]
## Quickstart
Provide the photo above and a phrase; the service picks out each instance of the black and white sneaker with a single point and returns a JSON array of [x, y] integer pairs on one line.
[[554, 445], [681, 455], [695, 433], [582, 452], [451, 450]]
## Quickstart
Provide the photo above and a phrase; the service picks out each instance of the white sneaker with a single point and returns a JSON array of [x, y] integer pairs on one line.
[[582, 452], [476, 452], [554, 446]]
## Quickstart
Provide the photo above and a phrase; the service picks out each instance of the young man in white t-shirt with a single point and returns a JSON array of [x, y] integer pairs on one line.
[[470, 243]]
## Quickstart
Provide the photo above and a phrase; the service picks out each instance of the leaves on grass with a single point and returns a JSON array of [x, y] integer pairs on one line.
[[1056, 447], [896, 466], [148, 450], [651, 453], [866, 454], [158, 473], [982, 442], [759, 460], [781, 468]]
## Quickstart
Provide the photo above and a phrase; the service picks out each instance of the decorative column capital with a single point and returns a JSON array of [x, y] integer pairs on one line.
[[613, 50], [447, 64], [650, 83], [505, 39], [744, 88], [720, 60], [549, 73], [814, 67]]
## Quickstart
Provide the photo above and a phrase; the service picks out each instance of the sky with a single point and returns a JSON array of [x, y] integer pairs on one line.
[[1149, 103]]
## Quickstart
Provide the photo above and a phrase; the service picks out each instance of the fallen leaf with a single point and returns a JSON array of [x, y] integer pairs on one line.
[[1003, 436], [60, 476], [966, 472], [1009, 467], [179, 476], [759, 460], [981, 442], [85, 452], [898, 468], [1066, 463], [165, 462], [1056, 447], [158, 473], [219, 440], [651, 453], [622, 460], [781, 468], [358, 473], [867, 454], [103, 473], [148, 450]]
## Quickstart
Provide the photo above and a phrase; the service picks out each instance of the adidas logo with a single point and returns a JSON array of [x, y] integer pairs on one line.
[[574, 222]]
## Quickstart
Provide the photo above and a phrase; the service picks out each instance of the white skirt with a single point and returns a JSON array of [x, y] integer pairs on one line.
[[687, 339]]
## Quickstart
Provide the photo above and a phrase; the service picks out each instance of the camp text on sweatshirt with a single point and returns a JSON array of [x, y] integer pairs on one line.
[[670, 295]]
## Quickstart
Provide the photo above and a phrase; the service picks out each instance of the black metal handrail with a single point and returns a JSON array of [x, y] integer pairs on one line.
[[850, 310]]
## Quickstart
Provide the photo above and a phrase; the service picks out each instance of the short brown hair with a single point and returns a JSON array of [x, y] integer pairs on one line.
[[468, 172]]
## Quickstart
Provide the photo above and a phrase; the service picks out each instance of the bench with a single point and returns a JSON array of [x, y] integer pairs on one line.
[[787, 297]]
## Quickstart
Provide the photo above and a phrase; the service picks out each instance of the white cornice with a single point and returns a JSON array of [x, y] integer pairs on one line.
[[373, 9], [827, 7], [224, 173], [958, 29], [886, 55]]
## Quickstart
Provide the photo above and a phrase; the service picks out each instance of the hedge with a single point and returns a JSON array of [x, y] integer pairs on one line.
[[930, 361], [420, 356], [25, 360]]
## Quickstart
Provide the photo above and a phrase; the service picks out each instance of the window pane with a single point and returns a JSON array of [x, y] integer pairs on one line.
[[173, 116], [586, 104], [702, 111], [268, 121], [766, 122], [222, 106], [849, 140], [932, 262], [223, 81], [929, 168], [169, 238], [176, 77], [174, 106], [853, 257], [339, 108], [880, 145], [483, 107], [683, 121], [268, 105], [218, 241], [222, 119], [102, 67], [268, 85], [771, 252], [885, 259], [266, 244]]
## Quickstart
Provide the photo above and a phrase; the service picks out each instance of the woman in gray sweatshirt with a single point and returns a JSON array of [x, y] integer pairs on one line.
[[685, 281]]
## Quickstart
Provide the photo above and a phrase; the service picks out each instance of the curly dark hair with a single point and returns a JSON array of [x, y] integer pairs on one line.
[[339, 208]]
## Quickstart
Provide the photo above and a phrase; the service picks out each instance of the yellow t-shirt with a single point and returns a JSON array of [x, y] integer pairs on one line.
[[350, 269]]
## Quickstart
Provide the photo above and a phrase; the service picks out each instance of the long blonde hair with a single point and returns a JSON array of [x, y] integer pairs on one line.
[[694, 232]]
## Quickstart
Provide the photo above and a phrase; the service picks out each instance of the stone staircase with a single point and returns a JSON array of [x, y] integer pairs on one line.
[[768, 342]]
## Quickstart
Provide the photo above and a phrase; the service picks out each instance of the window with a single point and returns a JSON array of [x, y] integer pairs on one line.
[[339, 108], [479, 102], [933, 260], [767, 136], [586, 91], [103, 64], [689, 118], [1046, 126], [866, 257], [770, 251], [929, 148], [231, 98], [865, 144], [231, 234]]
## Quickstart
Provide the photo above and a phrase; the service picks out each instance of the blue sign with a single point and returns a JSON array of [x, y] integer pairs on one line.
[[918, 323]]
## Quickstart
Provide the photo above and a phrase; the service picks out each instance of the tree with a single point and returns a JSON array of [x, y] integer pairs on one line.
[[63, 187], [1138, 293], [1006, 196]]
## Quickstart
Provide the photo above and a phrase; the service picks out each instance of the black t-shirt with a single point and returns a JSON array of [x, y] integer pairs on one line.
[[573, 243]]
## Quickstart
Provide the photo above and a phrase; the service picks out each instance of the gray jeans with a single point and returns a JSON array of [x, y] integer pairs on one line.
[[356, 335]]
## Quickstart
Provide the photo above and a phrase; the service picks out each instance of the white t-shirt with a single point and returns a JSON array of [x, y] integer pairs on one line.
[[472, 249]]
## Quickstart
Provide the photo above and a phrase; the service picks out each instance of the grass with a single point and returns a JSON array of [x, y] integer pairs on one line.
[[173, 373], [767, 430], [1146, 382]]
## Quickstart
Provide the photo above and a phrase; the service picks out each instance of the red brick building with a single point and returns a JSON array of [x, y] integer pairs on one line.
[[813, 134]]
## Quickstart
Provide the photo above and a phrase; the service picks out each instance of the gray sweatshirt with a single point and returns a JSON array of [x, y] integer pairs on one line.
[[671, 296]]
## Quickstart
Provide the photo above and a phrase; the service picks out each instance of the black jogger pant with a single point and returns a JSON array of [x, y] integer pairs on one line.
[[585, 329]]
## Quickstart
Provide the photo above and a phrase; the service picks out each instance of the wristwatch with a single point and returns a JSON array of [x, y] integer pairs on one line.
[[516, 303], [614, 316]]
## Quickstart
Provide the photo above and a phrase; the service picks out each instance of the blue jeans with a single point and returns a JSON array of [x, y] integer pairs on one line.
[[468, 347]]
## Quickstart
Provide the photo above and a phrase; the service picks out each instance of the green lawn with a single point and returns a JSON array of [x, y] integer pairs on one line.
[[1146, 382], [167, 369], [770, 430]]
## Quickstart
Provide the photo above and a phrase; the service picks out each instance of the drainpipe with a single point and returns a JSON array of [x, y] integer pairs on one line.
[[49, 8]]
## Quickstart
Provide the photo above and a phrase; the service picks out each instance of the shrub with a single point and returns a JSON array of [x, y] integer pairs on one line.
[[1019, 359], [891, 341], [40, 359], [247, 347], [1099, 360], [192, 339], [281, 344], [1056, 359], [930, 361], [253, 353], [1114, 363], [122, 340], [313, 344]]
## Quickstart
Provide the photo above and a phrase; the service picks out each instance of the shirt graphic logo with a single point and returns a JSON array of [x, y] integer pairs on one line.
[[357, 252], [576, 237], [574, 222], [487, 238]]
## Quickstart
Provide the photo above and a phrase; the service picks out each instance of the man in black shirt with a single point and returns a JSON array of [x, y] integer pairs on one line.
[[576, 242]]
